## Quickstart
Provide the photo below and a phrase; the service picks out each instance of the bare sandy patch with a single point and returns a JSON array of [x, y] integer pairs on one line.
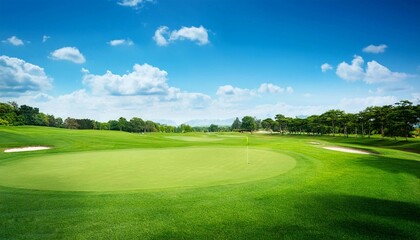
[[315, 143], [347, 150], [26, 149]]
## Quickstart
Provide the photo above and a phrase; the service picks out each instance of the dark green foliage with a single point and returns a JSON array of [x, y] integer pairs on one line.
[[248, 124], [236, 125]]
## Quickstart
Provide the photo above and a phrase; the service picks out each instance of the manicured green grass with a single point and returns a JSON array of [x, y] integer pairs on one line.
[[144, 169], [327, 195]]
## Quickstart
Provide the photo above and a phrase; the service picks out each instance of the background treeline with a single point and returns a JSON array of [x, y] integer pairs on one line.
[[398, 120]]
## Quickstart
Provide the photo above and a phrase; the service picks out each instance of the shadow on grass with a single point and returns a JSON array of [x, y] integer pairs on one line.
[[393, 165], [334, 216]]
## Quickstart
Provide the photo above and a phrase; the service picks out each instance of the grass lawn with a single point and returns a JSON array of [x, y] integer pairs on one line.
[[106, 184]]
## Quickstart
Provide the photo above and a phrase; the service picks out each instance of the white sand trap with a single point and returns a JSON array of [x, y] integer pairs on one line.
[[315, 143], [26, 149], [347, 150]]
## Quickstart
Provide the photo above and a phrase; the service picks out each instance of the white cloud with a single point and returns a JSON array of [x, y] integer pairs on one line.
[[358, 104], [195, 34], [351, 72], [18, 77], [45, 38], [13, 40], [375, 49], [199, 35], [133, 3], [71, 54], [143, 80], [118, 42], [160, 36], [270, 88], [376, 73], [229, 90], [325, 67]]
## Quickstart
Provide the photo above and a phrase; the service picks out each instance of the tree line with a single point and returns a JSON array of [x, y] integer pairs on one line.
[[398, 120]]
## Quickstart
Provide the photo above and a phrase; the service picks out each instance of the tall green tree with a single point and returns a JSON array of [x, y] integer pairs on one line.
[[213, 128], [122, 124], [248, 124], [137, 124], [282, 120], [236, 125]]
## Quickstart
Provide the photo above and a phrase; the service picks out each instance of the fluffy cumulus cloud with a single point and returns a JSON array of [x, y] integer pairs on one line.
[[18, 76], [118, 42], [353, 71], [374, 72], [375, 49], [13, 40], [160, 34], [71, 54], [133, 3], [195, 34], [325, 67], [199, 35], [143, 80]]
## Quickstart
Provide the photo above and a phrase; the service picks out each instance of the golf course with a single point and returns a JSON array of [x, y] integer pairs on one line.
[[93, 184]]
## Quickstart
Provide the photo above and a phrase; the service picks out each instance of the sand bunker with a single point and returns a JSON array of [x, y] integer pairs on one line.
[[315, 143], [347, 150], [26, 149]]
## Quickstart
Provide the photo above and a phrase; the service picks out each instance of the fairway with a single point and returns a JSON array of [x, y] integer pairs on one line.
[[144, 169], [113, 185]]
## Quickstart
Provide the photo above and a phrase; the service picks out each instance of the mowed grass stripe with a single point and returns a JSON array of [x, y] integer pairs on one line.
[[144, 169]]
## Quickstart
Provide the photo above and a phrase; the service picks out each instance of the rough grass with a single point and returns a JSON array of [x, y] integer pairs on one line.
[[328, 195]]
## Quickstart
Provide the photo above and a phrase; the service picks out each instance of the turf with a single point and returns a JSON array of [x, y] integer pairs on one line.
[[144, 169], [327, 195]]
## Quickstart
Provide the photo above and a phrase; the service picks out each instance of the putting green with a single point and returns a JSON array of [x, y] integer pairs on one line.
[[143, 169]]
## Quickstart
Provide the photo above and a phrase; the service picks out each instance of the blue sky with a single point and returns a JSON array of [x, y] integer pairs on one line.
[[184, 60]]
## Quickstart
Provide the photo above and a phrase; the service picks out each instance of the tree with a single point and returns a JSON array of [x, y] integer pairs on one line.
[[150, 126], [184, 128], [333, 117], [236, 125], [248, 124], [8, 115], [380, 118], [85, 123], [406, 117], [41, 119], [122, 124], [28, 114], [113, 125], [281, 119], [213, 128], [268, 124], [71, 123], [137, 124]]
